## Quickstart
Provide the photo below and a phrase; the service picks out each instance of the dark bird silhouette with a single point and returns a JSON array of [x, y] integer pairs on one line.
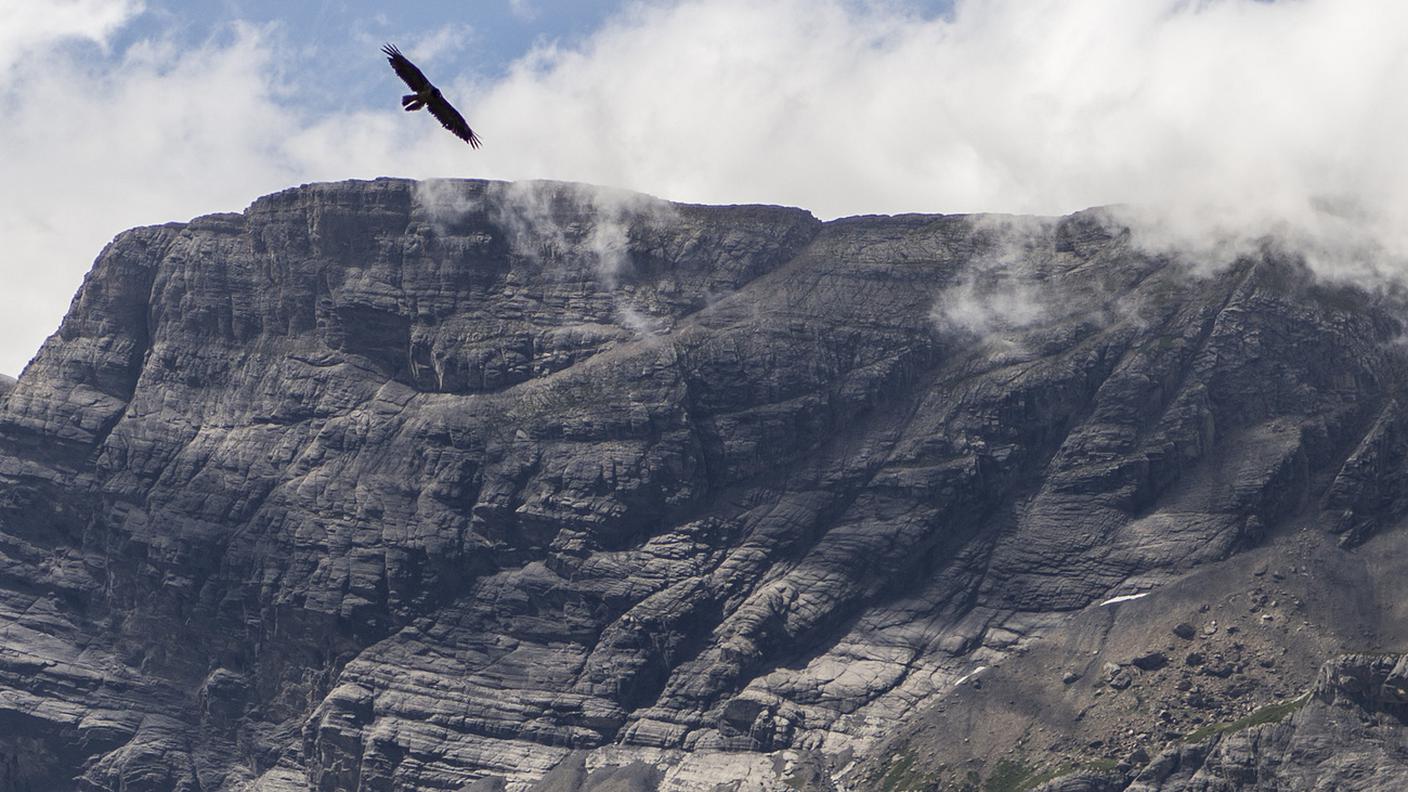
[[428, 96]]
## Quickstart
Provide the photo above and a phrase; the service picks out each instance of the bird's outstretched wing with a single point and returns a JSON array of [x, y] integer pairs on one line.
[[406, 70], [451, 119]]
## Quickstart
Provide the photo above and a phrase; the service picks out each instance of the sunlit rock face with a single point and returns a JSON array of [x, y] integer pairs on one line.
[[448, 485]]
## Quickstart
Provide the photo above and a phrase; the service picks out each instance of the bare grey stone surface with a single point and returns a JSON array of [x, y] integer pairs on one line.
[[448, 485]]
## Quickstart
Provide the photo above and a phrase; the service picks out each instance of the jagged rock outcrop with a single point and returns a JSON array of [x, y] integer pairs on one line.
[[396, 485], [1348, 732]]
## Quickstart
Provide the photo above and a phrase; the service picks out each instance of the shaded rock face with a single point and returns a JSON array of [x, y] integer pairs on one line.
[[387, 485]]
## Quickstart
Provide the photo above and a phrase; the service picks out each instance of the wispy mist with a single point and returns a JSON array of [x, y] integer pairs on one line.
[[567, 229], [1010, 285]]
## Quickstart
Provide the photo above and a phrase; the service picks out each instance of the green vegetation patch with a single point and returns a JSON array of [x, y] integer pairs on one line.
[[1008, 776], [1016, 776], [1271, 713], [903, 775]]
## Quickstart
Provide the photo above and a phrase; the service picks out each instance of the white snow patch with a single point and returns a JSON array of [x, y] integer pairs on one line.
[[1125, 598], [970, 675]]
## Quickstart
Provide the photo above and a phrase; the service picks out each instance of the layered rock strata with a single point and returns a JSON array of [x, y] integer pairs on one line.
[[397, 485]]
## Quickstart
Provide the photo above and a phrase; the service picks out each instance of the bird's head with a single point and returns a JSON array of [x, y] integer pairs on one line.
[[435, 92]]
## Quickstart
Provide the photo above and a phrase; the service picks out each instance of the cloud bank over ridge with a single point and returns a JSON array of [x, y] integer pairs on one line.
[[1220, 121]]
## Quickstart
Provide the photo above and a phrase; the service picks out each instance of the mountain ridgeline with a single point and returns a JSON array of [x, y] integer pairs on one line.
[[460, 485]]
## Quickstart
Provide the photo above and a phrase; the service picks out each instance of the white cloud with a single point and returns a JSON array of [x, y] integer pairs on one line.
[[27, 26], [1230, 116], [523, 9], [1221, 120], [432, 45], [161, 136]]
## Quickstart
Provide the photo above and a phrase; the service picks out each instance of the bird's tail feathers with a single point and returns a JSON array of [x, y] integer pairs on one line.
[[411, 102]]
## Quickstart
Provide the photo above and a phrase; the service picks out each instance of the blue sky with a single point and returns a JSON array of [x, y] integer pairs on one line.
[[330, 48], [1225, 119], [488, 34]]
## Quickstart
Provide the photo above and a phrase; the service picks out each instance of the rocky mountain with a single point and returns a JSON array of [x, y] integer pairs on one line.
[[468, 485]]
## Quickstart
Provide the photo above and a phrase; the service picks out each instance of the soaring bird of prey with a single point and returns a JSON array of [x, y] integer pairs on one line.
[[428, 96]]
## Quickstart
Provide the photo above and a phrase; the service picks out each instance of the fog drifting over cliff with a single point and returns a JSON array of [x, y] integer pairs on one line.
[[1217, 121]]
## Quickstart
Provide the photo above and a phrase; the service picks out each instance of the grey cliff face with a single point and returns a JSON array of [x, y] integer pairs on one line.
[[468, 485]]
